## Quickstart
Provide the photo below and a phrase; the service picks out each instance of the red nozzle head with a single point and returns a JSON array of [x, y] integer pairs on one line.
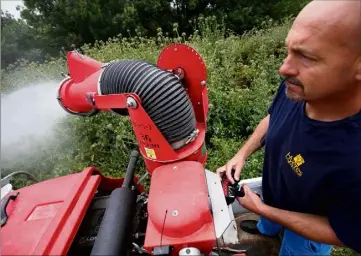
[[75, 91]]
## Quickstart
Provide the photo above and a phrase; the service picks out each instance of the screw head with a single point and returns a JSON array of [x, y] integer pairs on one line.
[[175, 213], [175, 168], [131, 103], [203, 83]]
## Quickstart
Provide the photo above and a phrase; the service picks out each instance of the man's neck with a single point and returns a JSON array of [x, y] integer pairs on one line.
[[335, 109]]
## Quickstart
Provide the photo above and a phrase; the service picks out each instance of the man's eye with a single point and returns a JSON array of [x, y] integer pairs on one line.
[[307, 57]]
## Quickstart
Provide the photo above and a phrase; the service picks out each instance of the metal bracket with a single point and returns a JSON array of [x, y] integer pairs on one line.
[[224, 222], [4, 216]]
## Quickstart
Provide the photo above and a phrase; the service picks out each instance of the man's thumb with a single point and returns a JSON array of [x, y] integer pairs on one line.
[[246, 189], [237, 172]]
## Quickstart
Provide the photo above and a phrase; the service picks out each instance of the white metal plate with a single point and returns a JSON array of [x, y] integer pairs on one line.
[[222, 214], [230, 236]]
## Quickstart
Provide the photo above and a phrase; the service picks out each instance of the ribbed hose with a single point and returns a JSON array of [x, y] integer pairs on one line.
[[162, 93]]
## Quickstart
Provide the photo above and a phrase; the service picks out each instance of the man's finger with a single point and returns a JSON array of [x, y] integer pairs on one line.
[[237, 172], [220, 171], [246, 189], [229, 173], [246, 193]]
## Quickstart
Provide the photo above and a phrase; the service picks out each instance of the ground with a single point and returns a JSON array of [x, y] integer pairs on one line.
[[257, 245]]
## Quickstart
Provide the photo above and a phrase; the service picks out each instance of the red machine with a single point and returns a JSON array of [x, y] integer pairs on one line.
[[89, 214]]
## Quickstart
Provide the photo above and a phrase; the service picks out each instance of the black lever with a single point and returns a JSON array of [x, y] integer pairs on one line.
[[4, 216], [232, 191]]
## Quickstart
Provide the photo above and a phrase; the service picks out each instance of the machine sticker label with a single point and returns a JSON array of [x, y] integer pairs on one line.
[[150, 153]]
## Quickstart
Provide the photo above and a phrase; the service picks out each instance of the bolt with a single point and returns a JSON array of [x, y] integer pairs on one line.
[[179, 70], [175, 168], [175, 49], [131, 103], [175, 213], [198, 103], [203, 83]]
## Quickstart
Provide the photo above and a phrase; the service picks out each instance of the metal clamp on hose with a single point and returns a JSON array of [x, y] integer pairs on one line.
[[185, 141]]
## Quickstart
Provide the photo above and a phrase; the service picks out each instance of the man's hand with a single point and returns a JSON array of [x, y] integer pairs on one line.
[[251, 201], [237, 163]]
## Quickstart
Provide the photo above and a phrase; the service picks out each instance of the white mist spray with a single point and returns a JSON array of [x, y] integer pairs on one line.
[[28, 118]]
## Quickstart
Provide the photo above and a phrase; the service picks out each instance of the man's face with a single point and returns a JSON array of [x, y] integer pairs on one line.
[[319, 64]]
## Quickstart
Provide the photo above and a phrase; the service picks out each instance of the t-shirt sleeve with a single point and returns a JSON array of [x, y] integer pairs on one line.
[[345, 216], [280, 92]]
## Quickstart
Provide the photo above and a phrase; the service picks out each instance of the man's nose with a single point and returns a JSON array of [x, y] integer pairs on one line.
[[288, 68]]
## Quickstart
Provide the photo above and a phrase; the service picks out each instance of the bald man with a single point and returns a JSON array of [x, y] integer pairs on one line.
[[312, 136]]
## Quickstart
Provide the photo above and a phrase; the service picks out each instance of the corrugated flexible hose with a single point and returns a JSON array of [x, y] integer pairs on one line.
[[162, 93]]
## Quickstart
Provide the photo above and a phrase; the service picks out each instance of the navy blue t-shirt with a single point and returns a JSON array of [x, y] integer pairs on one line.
[[314, 167]]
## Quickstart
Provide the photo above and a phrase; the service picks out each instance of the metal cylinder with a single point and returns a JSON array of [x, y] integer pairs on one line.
[[114, 236]]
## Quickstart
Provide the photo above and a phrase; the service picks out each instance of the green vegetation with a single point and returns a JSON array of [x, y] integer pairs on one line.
[[242, 79], [47, 26]]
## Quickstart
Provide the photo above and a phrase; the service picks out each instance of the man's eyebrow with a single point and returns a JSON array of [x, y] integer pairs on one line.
[[304, 50], [301, 49]]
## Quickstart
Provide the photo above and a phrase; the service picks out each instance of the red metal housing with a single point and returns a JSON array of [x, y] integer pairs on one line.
[[44, 218], [178, 208]]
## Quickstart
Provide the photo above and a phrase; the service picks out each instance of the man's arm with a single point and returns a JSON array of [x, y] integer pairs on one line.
[[255, 141], [313, 227]]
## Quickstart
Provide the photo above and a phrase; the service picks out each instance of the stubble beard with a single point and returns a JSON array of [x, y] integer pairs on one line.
[[294, 96]]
